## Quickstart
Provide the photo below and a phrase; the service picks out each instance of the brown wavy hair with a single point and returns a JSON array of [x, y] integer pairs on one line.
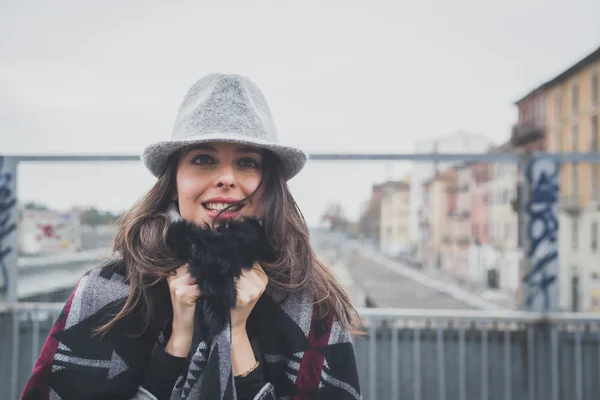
[[148, 261]]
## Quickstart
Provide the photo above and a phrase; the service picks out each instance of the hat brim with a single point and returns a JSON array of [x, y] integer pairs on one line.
[[156, 155]]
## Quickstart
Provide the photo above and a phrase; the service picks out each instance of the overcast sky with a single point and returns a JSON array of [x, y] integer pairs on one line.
[[108, 76]]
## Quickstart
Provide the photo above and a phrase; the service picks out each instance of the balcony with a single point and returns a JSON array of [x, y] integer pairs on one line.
[[463, 241], [411, 354], [570, 204], [462, 214], [526, 133]]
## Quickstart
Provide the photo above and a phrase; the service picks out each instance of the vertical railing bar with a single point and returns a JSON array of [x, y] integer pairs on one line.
[[578, 369], [417, 362], [484, 363], [554, 362], [507, 365], [441, 362], [35, 338], [598, 365], [395, 357], [372, 360], [530, 361], [586, 362], [462, 378], [15, 353]]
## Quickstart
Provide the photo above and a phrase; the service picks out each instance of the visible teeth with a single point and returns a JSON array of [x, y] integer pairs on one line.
[[220, 206]]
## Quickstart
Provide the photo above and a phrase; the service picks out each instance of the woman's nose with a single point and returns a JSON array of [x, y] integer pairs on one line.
[[226, 178]]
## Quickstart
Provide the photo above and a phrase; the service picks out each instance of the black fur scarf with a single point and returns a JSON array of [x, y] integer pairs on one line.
[[216, 257]]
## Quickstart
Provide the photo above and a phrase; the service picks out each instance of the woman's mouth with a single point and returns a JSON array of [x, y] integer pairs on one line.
[[218, 207]]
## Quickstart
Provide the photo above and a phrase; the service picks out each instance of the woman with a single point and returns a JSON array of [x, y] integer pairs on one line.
[[142, 325]]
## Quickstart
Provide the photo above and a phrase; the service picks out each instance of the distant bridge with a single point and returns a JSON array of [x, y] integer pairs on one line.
[[46, 278]]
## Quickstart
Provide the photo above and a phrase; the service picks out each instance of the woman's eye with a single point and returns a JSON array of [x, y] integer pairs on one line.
[[203, 159], [249, 163]]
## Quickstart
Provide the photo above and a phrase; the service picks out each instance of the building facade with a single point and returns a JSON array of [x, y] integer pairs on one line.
[[460, 142], [567, 108], [579, 269], [394, 218], [459, 267], [483, 268], [370, 217], [435, 218], [450, 225], [504, 233], [565, 112]]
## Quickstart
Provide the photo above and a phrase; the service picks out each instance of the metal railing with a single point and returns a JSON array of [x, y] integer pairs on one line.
[[409, 354], [435, 354], [23, 329]]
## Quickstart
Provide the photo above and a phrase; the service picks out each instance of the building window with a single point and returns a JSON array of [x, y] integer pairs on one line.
[[575, 98], [574, 185], [595, 89], [541, 111], [575, 290], [575, 233], [594, 235], [558, 107], [595, 167], [574, 169], [594, 133], [520, 233]]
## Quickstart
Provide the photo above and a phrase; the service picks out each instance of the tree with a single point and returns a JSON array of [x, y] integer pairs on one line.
[[94, 217], [368, 222], [334, 215], [32, 205]]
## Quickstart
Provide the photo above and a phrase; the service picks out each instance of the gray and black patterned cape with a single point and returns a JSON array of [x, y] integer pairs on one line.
[[303, 357]]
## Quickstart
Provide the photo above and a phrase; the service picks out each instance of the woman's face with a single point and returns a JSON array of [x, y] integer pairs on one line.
[[212, 176]]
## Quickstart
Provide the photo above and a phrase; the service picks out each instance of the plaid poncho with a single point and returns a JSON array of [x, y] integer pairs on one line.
[[303, 357]]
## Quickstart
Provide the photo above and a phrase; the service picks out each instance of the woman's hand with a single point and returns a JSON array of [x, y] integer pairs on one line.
[[250, 287], [184, 295]]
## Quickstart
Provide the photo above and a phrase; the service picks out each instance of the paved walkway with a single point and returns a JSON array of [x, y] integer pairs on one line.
[[386, 288], [390, 283], [42, 275]]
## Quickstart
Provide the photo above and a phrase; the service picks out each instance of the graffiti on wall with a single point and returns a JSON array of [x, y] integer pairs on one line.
[[542, 231], [7, 204]]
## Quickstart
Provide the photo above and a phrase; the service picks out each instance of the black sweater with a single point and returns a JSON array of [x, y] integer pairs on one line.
[[164, 368]]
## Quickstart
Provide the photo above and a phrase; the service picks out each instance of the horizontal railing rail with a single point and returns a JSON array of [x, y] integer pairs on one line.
[[504, 157], [408, 353]]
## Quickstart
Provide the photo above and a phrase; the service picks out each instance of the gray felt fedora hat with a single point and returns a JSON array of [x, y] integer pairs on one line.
[[224, 108]]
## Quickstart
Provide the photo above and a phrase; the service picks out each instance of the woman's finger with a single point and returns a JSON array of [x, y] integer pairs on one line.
[[258, 268], [260, 273], [183, 280], [178, 272], [188, 294]]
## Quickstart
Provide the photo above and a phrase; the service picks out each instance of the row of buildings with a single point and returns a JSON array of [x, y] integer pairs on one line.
[[464, 219]]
